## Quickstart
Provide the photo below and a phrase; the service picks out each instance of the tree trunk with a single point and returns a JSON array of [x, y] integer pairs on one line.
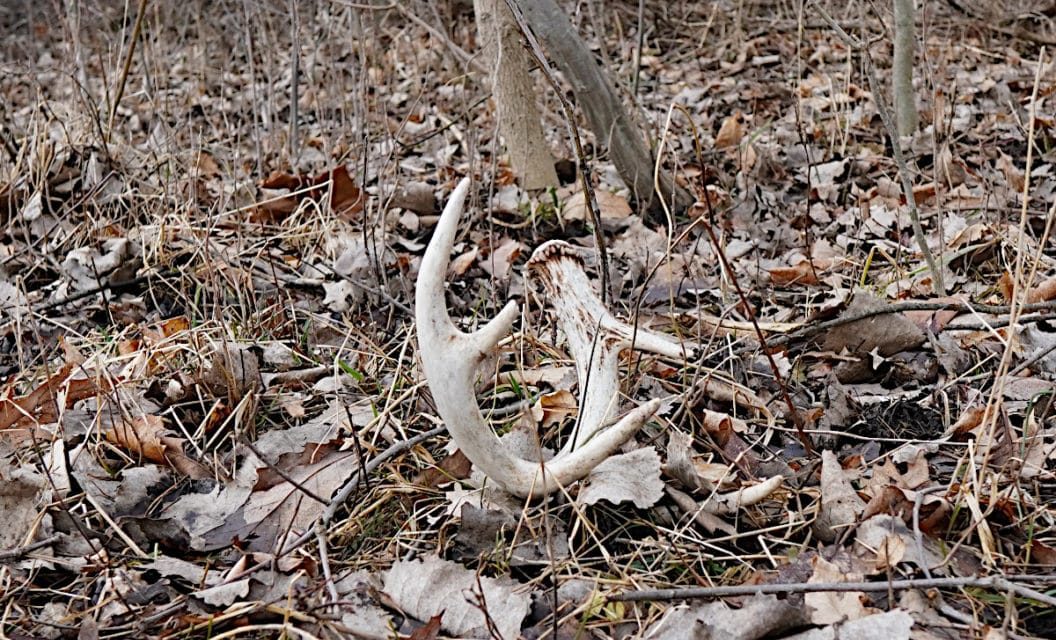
[[512, 87], [905, 101], [605, 114]]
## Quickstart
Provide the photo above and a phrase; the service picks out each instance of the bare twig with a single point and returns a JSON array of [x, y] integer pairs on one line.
[[793, 412], [456, 50], [998, 583], [896, 144], [898, 307], [16, 553], [125, 68]]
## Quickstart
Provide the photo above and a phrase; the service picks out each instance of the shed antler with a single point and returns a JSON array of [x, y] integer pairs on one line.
[[451, 359]]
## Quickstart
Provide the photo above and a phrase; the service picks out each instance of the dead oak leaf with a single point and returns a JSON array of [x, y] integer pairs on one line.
[[628, 477], [840, 503], [1043, 291], [41, 405], [803, 273], [147, 437], [345, 198], [431, 587], [610, 205], [887, 334], [731, 131]]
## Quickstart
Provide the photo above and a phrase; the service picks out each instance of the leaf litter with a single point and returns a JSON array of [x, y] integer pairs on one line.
[[211, 413]]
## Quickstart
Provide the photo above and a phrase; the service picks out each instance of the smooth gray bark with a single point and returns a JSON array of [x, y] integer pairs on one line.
[[595, 95], [905, 101]]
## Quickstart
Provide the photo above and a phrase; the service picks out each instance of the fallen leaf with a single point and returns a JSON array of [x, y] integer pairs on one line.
[[429, 631], [885, 334], [555, 407], [628, 477], [802, 273], [500, 261], [345, 198], [146, 436], [39, 405], [887, 541], [1043, 291], [21, 492], [758, 617], [610, 205], [828, 607], [840, 504], [1013, 176], [430, 587], [731, 131]]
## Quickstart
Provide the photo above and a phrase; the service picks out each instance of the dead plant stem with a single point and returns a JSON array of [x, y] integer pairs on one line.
[[125, 68], [896, 145], [998, 583]]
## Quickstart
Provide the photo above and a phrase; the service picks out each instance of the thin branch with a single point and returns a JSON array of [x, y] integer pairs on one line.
[[896, 144], [997, 583], [898, 307], [457, 51], [386, 455], [125, 68], [17, 553]]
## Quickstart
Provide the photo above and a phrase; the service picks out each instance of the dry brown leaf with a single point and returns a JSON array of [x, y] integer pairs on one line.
[[758, 617], [840, 504], [970, 418], [1013, 176], [141, 436], [916, 474], [555, 407], [885, 541], [828, 607], [1004, 283], [935, 321], [345, 198], [951, 170], [426, 588], [628, 477], [1043, 291], [718, 198], [146, 436], [454, 467], [886, 333], [923, 192], [801, 274], [731, 131], [695, 475], [38, 406], [206, 165], [499, 263], [429, 631], [462, 263], [21, 490], [610, 205]]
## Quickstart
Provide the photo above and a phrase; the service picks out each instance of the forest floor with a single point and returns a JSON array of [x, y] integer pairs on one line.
[[213, 420]]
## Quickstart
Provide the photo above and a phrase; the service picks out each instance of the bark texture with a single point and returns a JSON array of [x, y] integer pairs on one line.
[[514, 92], [596, 96], [905, 101]]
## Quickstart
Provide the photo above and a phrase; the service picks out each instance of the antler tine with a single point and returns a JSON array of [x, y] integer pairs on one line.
[[450, 359], [595, 337], [429, 293]]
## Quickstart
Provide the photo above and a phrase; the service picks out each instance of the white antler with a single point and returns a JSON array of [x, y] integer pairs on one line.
[[451, 359]]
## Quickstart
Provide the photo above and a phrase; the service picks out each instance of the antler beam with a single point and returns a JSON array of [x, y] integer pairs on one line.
[[451, 358]]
